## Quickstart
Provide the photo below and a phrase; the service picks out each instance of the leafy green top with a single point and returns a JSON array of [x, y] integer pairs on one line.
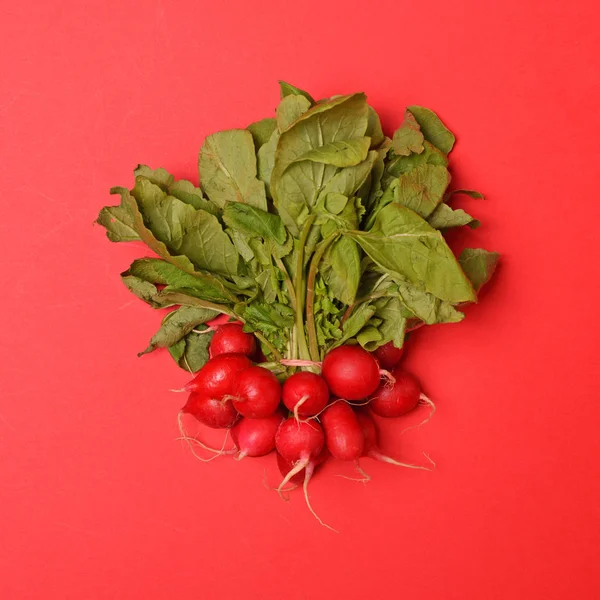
[[311, 227]]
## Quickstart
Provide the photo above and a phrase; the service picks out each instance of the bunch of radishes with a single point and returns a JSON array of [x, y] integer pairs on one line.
[[309, 416]]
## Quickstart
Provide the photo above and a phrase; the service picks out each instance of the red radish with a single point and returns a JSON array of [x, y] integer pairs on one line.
[[256, 437], [231, 339], [351, 372], [218, 375], [388, 355], [398, 398], [371, 449], [256, 393], [210, 411], [300, 442], [305, 393], [343, 434]]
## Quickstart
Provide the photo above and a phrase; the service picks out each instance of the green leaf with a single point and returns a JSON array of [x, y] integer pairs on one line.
[[289, 110], [268, 285], [144, 290], [470, 193], [160, 177], [335, 203], [374, 130], [433, 129], [159, 272], [444, 217], [340, 269], [295, 187], [424, 306], [347, 181], [357, 320], [191, 352], [423, 188], [346, 153], [187, 192], [479, 265], [266, 160], [228, 169], [178, 324], [254, 222], [273, 320], [393, 323], [240, 241], [397, 165], [119, 220], [405, 245], [195, 234], [287, 89], [408, 137], [262, 131], [376, 174], [369, 336]]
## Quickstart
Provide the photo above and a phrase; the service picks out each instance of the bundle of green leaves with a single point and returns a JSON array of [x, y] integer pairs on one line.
[[313, 228]]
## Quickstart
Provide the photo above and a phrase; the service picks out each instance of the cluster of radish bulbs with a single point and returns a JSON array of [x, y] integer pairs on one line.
[[309, 416]]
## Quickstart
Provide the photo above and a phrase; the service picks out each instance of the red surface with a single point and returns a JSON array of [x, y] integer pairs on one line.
[[98, 500]]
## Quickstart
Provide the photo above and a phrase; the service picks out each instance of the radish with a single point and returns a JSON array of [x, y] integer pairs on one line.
[[305, 393], [371, 447], [388, 355], [256, 393], [301, 443], [231, 339], [218, 375], [343, 434], [256, 437], [394, 400], [351, 372], [210, 411]]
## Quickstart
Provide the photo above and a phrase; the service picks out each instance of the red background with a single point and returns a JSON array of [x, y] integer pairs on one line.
[[98, 500]]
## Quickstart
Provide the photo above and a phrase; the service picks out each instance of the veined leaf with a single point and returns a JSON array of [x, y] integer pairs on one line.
[[345, 153], [191, 352], [178, 324], [254, 222], [374, 130], [287, 89], [340, 269], [119, 220], [444, 217], [228, 169], [403, 244], [262, 131], [290, 109], [159, 272], [422, 188], [266, 160], [408, 137], [479, 265], [295, 187], [433, 129], [357, 320]]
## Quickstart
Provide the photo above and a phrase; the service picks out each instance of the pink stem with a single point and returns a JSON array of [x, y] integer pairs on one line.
[[300, 363]]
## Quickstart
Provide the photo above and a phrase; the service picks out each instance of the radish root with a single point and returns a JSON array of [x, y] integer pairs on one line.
[[301, 464], [365, 476], [186, 438], [376, 455], [423, 401], [272, 489], [307, 476], [298, 405], [389, 378]]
